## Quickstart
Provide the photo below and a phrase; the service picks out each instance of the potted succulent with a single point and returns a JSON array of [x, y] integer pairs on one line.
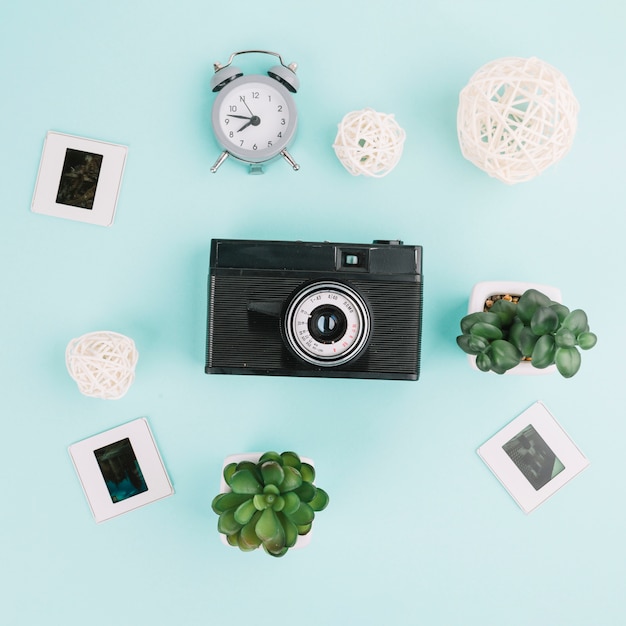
[[268, 500], [514, 327]]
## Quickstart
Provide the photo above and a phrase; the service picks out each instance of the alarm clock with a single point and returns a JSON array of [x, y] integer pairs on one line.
[[254, 117]]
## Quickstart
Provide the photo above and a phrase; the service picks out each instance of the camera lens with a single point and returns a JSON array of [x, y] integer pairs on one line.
[[327, 324]]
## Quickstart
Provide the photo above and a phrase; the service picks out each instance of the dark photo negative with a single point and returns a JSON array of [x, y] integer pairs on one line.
[[533, 457], [79, 178], [120, 470]]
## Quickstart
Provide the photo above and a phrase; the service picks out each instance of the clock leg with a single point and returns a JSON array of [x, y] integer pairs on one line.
[[290, 160], [219, 161]]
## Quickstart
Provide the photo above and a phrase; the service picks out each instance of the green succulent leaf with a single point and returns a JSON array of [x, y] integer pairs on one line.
[[565, 338], [486, 331], [243, 545], [304, 529], [478, 344], [292, 480], [479, 316], [544, 352], [467, 344], [561, 311], [279, 503], [271, 456], [233, 539], [567, 361], [260, 502], [291, 530], [304, 514], [483, 362], [272, 473], [576, 321], [544, 321], [306, 491], [272, 500], [291, 459], [527, 341], [244, 481], [587, 340], [229, 470], [292, 502], [307, 471], [277, 553], [227, 524], [514, 332], [268, 526], [529, 302], [224, 501], [248, 533], [244, 512], [276, 545], [505, 310], [504, 356], [251, 467], [320, 501]]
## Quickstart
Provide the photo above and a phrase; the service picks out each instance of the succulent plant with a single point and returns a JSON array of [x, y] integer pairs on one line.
[[270, 502], [534, 329]]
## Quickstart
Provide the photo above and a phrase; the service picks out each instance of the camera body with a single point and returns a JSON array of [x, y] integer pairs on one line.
[[293, 308]]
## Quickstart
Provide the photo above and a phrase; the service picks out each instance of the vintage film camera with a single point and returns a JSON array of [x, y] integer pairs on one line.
[[296, 308]]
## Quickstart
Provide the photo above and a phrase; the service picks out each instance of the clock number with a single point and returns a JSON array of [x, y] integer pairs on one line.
[[232, 108], [279, 134], [255, 95], [280, 108], [227, 121], [231, 134], [282, 121], [269, 144], [254, 147], [241, 142]]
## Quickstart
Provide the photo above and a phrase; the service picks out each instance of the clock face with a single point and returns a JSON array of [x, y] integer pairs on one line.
[[254, 118]]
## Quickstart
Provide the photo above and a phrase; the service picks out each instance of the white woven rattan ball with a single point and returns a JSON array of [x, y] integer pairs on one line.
[[516, 117], [369, 143], [102, 364]]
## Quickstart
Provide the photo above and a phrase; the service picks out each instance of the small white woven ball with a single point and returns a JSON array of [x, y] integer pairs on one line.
[[516, 117], [102, 364], [369, 143]]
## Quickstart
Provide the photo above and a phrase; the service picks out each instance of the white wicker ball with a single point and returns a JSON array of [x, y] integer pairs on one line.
[[102, 364], [369, 143], [516, 117]]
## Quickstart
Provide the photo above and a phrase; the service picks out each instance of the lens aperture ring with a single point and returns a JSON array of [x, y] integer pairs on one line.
[[327, 324]]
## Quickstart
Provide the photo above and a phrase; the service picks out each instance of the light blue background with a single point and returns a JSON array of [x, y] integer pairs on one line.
[[418, 530]]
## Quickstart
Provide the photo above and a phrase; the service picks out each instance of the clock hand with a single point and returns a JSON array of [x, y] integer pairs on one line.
[[255, 120], [247, 107], [241, 117]]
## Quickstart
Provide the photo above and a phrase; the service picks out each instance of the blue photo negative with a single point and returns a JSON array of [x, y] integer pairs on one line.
[[79, 178], [120, 470], [533, 457]]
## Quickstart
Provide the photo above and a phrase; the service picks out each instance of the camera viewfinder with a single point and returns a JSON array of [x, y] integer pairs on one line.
[[353, 260]]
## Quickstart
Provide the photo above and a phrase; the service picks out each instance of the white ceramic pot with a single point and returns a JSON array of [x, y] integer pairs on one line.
[[302, 540], [484, 290]]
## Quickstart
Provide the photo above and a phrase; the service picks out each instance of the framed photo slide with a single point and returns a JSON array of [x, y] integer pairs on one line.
[[79, 179], [120, 470], [533, 457]]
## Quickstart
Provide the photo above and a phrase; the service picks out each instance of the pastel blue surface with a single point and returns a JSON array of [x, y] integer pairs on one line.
[[418, 531]]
